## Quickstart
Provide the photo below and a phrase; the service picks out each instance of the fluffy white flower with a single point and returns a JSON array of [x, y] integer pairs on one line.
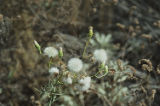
[[75, 64], [50, 51], [54, 70], [68, 80], [100, 55], [85, 83]]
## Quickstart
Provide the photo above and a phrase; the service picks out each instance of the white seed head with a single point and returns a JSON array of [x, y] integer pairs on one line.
[[50, 51], [100, 55], [85, 83], [68, 80], [75, 64], [54, 70]]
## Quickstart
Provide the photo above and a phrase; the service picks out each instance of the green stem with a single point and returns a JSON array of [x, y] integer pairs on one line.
[[40, 52], [87, 43], [101, 75], [50, 63], [106, 72]]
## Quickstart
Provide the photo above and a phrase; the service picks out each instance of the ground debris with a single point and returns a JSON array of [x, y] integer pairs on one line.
[[146, 65]]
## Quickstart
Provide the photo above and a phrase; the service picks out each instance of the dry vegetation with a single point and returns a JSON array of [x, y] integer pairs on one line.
[[134, 49]]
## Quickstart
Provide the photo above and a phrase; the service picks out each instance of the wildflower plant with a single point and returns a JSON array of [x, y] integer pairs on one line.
[[69, 79]]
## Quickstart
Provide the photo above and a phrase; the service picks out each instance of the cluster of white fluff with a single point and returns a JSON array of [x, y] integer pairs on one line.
[[100, 55], [68, 80], [75, 64], [85, 83], [50, 51], [54, 70]]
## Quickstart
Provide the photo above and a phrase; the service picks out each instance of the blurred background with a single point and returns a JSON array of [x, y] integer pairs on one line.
[[133, 24]]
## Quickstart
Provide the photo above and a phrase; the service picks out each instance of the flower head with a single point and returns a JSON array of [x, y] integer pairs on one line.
[[50, 51], [100, 55], [85, 83], [68, 80], [54, 70], [75, 64]]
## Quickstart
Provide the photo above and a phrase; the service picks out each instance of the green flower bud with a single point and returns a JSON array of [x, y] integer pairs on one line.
[[102, 66], [37, 46], [60, 52], [90, 31], [106, 69]]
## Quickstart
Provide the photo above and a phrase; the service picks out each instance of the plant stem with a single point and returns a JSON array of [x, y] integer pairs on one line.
[[50, 63], [87, 43]]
